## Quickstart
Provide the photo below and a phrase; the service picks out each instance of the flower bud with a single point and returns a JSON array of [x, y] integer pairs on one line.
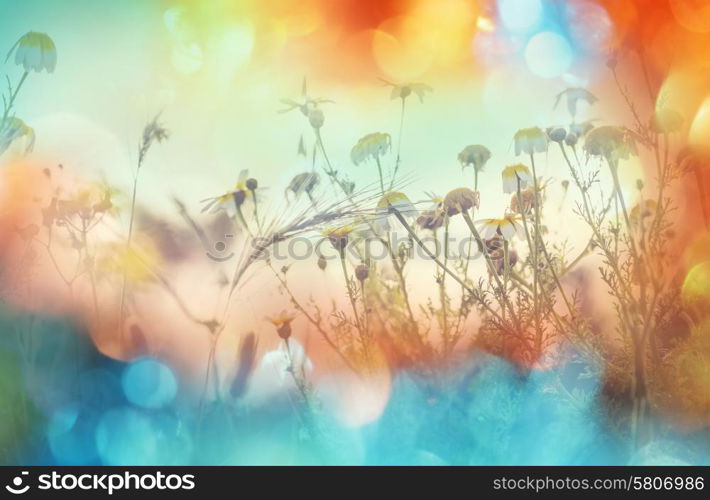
[[252, 184], [362, 272], [571, 139], [557, 134], [322, 263], [239, 197], [316, 118], [284, 330]]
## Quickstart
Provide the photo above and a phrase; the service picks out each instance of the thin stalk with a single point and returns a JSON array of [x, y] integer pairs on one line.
[[399, 143], [11, 101], [379, 171], [492, 269], [352, 301], [128, 248]]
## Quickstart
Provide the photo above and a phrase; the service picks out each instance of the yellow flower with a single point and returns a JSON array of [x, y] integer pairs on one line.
[[460, 200], [507, 227], [404, 90], [370, 146], [530, 140], [474, 155], [514, 174], [396, 200], [282, 322], [137, 261], [339, 237], [232, 199], [16, 130], [35, 51], [613, 143]]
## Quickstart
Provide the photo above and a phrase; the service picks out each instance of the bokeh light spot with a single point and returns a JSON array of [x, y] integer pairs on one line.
[[548, 54], [125, 436], [520, 15], [696, 288], [149, 383]]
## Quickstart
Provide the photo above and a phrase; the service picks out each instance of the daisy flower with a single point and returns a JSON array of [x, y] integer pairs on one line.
[[512, 174], [530, 140], [306, 105], [573, 95], [396, 200], [507, 227], [611, 142], [474, 155], [339, 237], [404, 90], [305, 182], [460, 200], [372, 146], [16, 130], [230, 201], [35, 51]]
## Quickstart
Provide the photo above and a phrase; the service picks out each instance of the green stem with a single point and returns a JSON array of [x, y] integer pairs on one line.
[[379, 171], [399, 144], [352, 301], [11, 102]]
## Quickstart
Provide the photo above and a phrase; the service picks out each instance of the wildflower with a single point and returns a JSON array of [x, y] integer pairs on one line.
[[516, 174], [642, 210], [306, 105], [530, 140], [666, 120], [405, 90], [474, 155], [282, 322], [557, 134], [35, 51], [390, 200], [303, 183], [523, 205], [370, 146], [507, 227], [339, 237], [232, 200], [611, 142], [431, 219], [16, 130], [574, 95], [571, 139], [362, 272], [460, 200]]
